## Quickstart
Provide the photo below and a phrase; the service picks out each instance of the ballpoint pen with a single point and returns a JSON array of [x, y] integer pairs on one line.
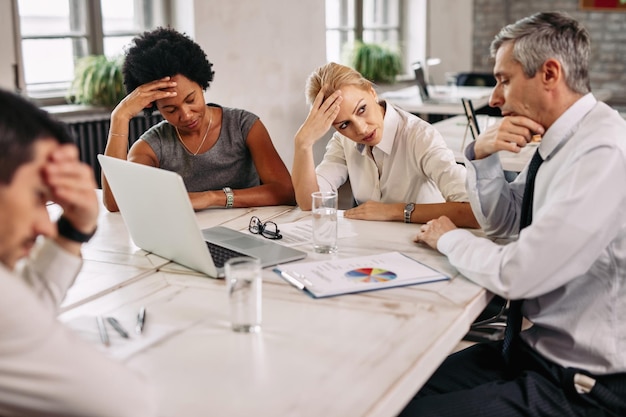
[[118, 327], [289, 277], [104, 336], [141, 319]]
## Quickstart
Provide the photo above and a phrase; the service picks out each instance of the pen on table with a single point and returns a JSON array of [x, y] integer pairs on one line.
[[104, 336], [141, 319], [117, 326], [289, 278]]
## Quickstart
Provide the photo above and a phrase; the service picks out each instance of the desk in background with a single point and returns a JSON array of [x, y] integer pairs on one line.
[[358, 355], [409, 99]]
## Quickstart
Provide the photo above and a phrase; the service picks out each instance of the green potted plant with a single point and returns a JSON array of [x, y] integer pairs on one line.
[[376, 62], [97, 81]]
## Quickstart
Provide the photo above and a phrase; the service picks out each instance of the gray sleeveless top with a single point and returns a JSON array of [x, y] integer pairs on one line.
[[227, 164]]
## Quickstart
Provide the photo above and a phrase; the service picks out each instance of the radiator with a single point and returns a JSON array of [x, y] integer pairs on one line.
[[91, 136]]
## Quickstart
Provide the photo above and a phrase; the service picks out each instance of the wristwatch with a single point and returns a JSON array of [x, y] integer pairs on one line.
[[68, 231], [230, 197], [408, 209]]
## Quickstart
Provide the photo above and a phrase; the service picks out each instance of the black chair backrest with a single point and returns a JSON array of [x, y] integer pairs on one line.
[[476, 79]]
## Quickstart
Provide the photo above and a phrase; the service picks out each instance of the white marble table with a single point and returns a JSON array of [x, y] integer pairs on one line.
[[353, 355], [111, 259]]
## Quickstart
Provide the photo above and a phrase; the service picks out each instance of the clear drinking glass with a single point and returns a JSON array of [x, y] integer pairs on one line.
[[243, 283], [324, 207]]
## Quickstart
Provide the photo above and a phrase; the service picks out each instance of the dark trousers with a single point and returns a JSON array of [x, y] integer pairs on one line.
[[476, 382]]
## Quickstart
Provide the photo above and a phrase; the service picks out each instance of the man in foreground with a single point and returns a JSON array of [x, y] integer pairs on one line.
[[45, 369], [565, 272]]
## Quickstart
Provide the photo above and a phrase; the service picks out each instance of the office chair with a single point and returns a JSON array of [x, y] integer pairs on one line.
[[479, 79], [490, 324], [476, 79]]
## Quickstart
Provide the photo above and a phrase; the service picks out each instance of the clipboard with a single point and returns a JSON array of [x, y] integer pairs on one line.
[[333, 277]]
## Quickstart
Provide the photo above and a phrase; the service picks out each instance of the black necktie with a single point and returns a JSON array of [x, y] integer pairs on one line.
[[514, 315]]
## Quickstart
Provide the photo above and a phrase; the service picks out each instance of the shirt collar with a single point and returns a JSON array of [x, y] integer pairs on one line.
[[563, 128], [390, 126]]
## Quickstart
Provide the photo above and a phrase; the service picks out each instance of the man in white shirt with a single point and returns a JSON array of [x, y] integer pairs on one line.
[[45, 369], [565, 269]]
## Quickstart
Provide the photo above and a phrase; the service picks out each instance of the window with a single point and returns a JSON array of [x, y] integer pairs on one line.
[[391, 22], [54, 33], [370, 21]]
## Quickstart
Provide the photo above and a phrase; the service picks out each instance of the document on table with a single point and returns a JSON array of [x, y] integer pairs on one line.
[[358, 274], [297, 233], [120, 347]]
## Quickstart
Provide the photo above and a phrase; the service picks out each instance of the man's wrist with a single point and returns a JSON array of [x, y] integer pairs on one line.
[[68, 231]]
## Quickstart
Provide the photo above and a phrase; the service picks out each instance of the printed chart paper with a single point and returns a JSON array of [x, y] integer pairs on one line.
[[365, 273]]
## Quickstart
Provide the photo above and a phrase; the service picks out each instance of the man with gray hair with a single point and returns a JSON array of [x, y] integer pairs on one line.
[[564, 269]]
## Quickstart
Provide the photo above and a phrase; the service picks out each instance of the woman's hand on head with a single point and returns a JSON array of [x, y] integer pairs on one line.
[[143, 96], [320, 119]]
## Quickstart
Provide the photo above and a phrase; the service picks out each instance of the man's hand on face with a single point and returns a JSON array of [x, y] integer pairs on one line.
[[72, 185], [511, 134]]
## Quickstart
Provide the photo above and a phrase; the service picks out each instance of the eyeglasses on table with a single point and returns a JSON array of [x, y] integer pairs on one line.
[[267, 229]]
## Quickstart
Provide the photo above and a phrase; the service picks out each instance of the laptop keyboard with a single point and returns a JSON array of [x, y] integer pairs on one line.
[[221, 254]]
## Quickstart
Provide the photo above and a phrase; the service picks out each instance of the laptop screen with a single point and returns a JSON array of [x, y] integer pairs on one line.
[[420, 80]]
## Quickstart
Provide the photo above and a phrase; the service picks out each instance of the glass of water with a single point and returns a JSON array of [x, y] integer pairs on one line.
[[243, 283], [324, 207]]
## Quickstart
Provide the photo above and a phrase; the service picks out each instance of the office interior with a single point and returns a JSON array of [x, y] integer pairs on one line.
[[263, 51]]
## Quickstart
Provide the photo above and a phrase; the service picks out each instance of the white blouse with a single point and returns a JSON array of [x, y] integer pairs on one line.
[[414, 164]]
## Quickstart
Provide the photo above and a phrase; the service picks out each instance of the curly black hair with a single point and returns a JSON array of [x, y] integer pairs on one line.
[[165, 52]]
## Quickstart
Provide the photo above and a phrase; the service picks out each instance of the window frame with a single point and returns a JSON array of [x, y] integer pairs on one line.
[[411, 30], [91, 32]]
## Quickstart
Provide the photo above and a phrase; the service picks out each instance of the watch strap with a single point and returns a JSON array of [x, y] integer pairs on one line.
[[68, 231], [408, 210], [230, 197]]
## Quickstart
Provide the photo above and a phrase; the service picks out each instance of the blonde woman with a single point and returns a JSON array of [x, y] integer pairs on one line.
[[398, 165]]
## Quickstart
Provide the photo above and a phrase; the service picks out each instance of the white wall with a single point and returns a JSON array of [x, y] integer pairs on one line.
[[7, 46], [450, 29], [262, 54]]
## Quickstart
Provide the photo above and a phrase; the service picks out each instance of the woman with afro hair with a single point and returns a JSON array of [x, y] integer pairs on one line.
[[224, 155]]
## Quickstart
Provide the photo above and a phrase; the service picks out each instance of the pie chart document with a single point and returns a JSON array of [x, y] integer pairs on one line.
[[364, 273]]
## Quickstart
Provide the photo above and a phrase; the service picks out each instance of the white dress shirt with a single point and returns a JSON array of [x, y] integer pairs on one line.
[[570, 264], [414, 162], [45, 368]]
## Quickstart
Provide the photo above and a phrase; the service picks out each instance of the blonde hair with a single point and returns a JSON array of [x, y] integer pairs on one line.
[[332, 77]]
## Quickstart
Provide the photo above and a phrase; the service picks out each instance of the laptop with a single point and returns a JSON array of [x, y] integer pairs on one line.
[[448, 97], [155, 206], [422, 88]]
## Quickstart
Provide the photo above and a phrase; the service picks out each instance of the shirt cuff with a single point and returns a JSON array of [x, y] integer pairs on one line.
[[448, 240], [57, 265]]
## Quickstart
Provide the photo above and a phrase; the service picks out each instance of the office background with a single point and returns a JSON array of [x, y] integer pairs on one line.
[[263, 51]]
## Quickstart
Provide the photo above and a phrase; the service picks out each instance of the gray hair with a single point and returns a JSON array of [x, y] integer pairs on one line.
[[542, 36]]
